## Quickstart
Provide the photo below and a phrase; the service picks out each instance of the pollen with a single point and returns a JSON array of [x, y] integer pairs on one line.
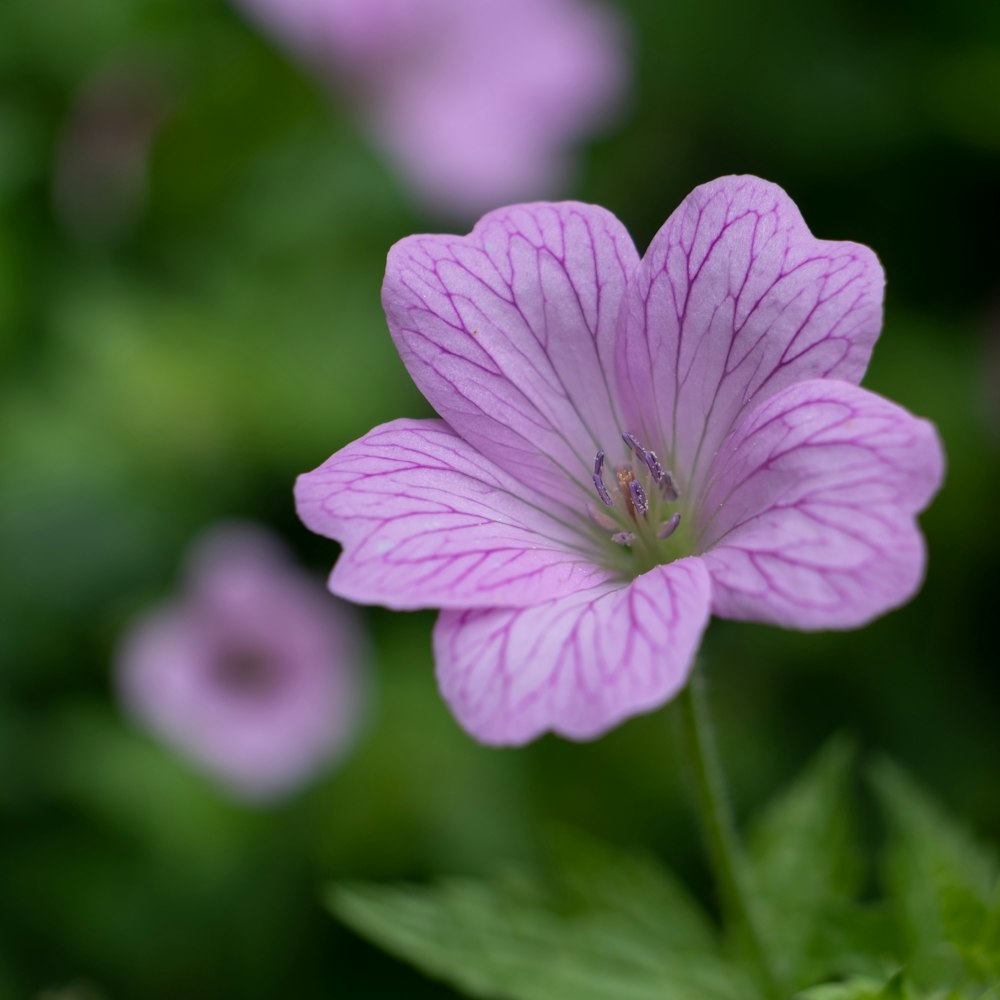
[[626, 477]]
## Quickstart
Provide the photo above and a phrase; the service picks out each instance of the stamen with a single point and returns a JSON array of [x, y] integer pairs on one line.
[[649, 457], [633, 443], [670, 526], [602, 490], [640, 504], [631, 488], [653, 464], [669, 487], [601, 519]]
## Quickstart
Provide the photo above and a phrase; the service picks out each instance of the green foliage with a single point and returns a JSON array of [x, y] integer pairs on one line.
[[600, 925], [897, 987], [943, 885], [941, 915], [633, 889], [973, 927], [862, 988], [804, 863]]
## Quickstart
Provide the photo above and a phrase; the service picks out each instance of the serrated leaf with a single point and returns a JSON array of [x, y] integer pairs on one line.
[[862, 988], [973, 928], [855, 939], [633, 889], [803, 861], [897, 989], [991, 941], [993, 993], [942, 882], [577, 934], [859, 988], [853, 989]]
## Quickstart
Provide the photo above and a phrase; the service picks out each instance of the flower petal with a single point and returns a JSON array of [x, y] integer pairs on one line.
[[809, 515], [734, 300], [426, 521], [510, 334], [454, 112], [577, 666]]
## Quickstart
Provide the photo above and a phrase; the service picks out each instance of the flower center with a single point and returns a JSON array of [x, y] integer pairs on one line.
[[247, 673], [638, 512]]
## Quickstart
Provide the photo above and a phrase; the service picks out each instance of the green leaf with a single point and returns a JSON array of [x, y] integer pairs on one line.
[[973, 927], [803, 861], [862, 988], [854, 939], [631, 889], [600, 926], [852, 989], [943, 886]]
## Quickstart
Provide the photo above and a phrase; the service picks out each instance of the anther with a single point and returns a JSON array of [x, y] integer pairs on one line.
[[669, 487], [601, 519], [669, 526], [602, 490], [633, 443], [640, 504], [648, 457], [653, 464], [623, 538]]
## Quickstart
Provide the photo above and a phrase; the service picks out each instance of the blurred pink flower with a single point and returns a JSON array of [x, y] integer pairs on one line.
[[253, 672], [477, 101]]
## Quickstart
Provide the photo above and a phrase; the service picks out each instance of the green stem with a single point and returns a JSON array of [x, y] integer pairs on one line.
[[725, 852]]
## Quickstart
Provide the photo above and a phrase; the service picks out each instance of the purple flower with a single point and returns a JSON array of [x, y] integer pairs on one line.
[[252, 672], [626, 447], [477, 101]]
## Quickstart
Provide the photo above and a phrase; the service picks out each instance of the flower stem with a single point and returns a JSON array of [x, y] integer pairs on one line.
[[725, 851]]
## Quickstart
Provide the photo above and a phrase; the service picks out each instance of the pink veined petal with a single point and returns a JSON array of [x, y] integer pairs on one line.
[[809, 518], [577, 666], [426, 521], [734, 300], [510, 334]]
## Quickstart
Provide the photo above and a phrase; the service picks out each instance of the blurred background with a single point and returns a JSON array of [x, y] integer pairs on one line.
[[196, 200]]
